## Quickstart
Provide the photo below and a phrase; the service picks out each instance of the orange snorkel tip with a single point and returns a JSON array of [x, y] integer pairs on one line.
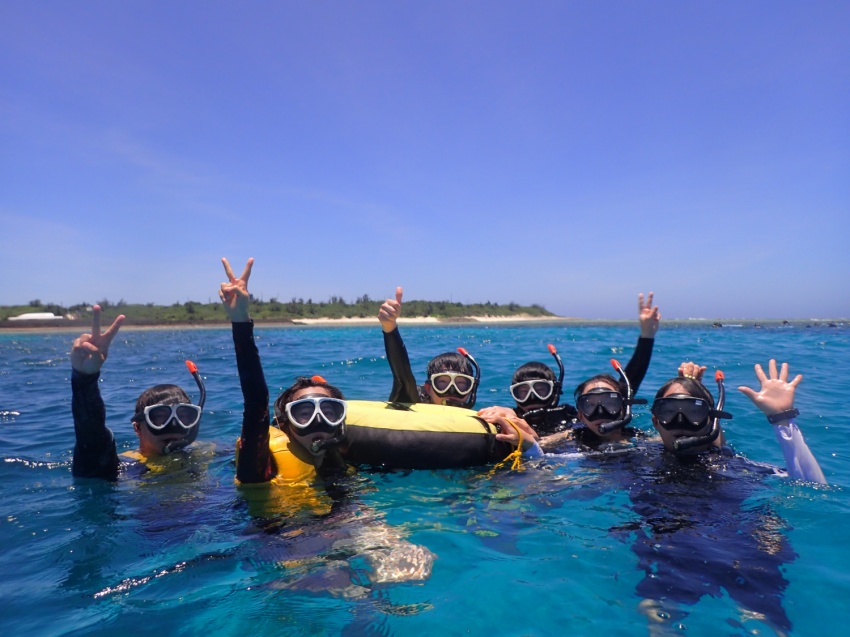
[[193, 369]]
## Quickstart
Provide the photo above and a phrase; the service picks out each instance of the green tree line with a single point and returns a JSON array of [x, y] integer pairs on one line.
[[296, 308]]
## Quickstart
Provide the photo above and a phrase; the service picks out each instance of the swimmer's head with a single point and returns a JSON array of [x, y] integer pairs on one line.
[[165, 419], [534, 386], [684, 415], [313, 423], [451, 380], [599, 400]]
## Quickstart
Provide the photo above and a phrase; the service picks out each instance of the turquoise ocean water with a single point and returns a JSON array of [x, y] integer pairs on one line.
[[544, 551]]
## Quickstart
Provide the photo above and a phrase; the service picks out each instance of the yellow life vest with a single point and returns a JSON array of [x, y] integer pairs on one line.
[[291, 491]]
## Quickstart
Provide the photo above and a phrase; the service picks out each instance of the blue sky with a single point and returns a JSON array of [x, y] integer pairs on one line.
[[570, 154]]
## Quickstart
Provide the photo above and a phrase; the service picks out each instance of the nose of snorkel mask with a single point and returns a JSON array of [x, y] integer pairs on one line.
[[338, 432], [613, 425], [689, 442], [192, 434], [534, 415]]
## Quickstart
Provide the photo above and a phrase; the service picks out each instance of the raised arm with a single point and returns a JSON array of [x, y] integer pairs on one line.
[[95, 455], [650, 319], [404, 383], [776, 401], [254, 460]]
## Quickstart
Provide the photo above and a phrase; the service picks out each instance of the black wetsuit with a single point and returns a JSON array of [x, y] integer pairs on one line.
[[95, 454], [404, 388], [700, 533]]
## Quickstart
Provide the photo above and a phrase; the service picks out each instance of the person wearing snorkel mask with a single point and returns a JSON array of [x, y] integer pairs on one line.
[[703, 526], [452, 378], [537, 391], [165, 420], [303, 452], [688, 422], [311, 412]]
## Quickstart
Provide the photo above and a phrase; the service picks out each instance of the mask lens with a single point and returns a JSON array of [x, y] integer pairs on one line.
[[184, 415], [442, 382], [302, 413], [694, 411], [609, 402], [332, 410], [523, 390], [543, 388]]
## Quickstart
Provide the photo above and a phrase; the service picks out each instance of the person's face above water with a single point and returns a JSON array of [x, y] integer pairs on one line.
[[593, 421], [450, 388], [532, 394], [310, 436], [670, 435], [168, 432]]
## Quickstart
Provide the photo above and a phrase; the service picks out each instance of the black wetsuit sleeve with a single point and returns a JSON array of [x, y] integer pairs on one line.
[[639, 363], [404, 384], [95, 455], [255, 462]]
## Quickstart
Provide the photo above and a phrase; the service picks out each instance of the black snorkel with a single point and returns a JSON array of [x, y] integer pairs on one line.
[[689, 442], [608, 427], [338, 437], [177, 445], [470, 403]]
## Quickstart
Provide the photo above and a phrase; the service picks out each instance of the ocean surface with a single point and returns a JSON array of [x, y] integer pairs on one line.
[[580, 545]]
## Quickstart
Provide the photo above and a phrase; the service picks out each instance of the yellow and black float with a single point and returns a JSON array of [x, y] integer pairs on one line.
[[419, 436]]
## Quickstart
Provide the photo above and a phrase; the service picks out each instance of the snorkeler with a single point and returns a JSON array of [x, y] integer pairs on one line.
[[694, 534], [165, 420], [311, 412], [302, 451], [686, 418], [452, 378]]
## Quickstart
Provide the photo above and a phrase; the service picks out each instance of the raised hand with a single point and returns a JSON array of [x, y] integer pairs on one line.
[[692, 371], [390, 311], [234, 292], [649, 316], [89, 351], [777, 394]]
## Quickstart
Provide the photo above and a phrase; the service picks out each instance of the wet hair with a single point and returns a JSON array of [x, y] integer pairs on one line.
[[693, 387], [449, 362], [533, 371], [602, 378], [159, 395], [302, 382]]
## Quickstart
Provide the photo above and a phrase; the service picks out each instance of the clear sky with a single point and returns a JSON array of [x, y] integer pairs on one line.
[[565, 153]]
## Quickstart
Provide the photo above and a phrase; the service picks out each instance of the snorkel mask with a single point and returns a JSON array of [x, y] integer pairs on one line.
[[455, 389], [691, 412], [192, 430], [628, 401], [535, 415], [315, 413]]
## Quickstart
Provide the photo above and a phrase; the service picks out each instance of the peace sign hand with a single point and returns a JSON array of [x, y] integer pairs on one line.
[[649, 316], [89, 351], [234, 293]]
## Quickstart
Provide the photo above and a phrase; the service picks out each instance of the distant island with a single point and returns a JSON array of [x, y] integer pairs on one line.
[[294, 311]]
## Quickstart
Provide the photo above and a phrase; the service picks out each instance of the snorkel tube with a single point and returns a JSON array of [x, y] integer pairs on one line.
[[176, 445], [471, 401], [683, 444], [608, 427], [559, 386]]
